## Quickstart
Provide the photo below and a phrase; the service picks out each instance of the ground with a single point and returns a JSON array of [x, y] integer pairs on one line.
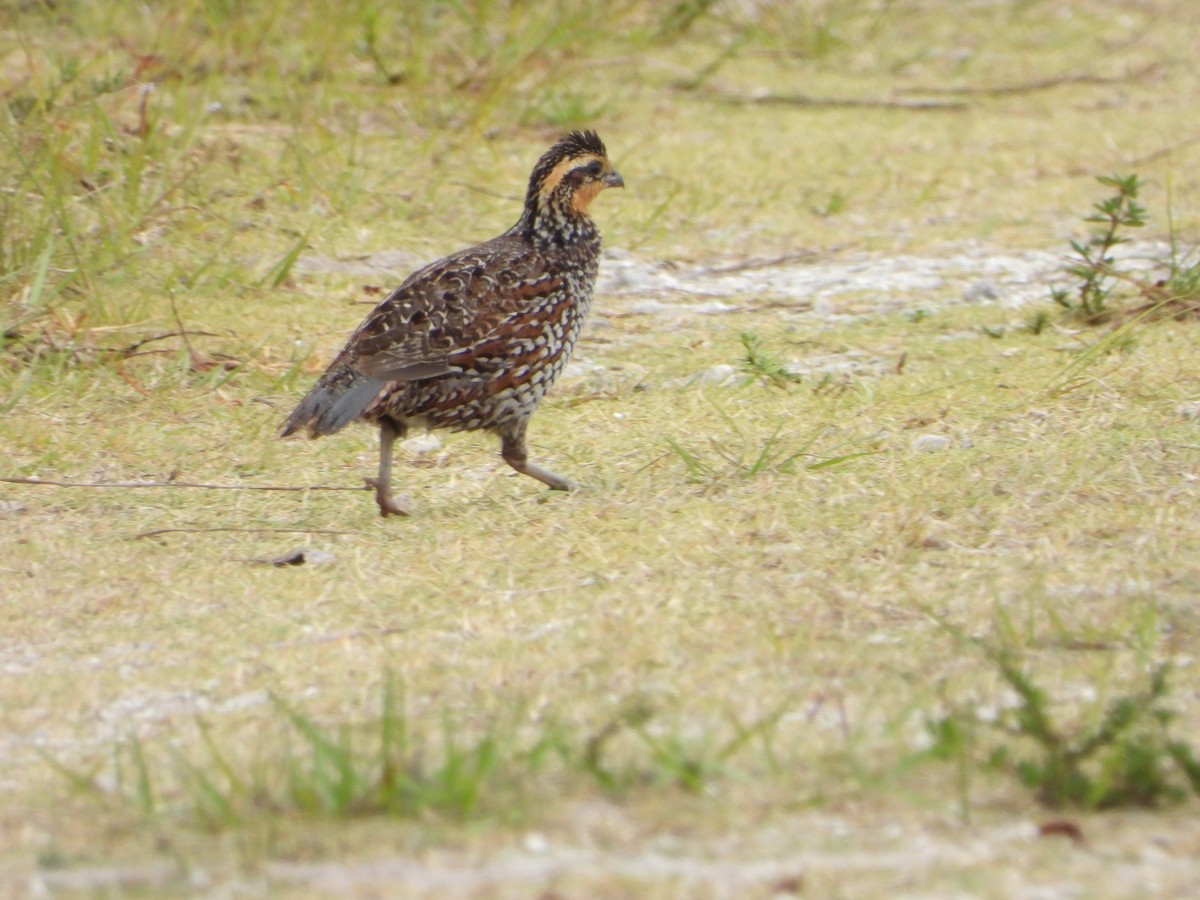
[[843, 459]]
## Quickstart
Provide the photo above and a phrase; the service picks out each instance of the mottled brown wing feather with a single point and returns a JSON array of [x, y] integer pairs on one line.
[[447, 307], [444, 310]]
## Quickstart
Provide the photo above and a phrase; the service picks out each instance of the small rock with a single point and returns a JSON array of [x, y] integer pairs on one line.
[[714, 307], [879, 638], [422, 444], [535, 842], [721, 375], [628, 278], [981, 292], [931, 443], [622, 272], [1189, 409], [304, 556], [651, 308], [243, 701], [852, 362], [584, 377]]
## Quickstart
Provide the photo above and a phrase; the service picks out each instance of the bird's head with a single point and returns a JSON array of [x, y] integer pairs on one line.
[[569, 176]]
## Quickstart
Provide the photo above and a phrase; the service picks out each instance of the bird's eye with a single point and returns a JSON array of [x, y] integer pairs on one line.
[[594, 168]]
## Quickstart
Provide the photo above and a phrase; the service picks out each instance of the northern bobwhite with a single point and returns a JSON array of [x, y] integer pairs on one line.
[[474, 340]]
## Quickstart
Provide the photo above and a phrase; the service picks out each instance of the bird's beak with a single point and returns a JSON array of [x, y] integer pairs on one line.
[[614, 179]]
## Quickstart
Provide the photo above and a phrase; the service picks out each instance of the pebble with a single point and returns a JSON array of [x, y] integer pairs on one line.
[[1189, 409], [722, 374], [931, 443], [422, 444], [981, 292]]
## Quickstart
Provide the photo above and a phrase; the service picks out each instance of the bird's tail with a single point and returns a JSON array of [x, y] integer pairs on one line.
[[334, 402]]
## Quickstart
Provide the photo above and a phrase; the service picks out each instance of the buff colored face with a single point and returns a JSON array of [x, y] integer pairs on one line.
[[590, 173]]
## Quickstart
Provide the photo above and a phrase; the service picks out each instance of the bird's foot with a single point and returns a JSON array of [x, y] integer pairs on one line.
[[545, 476], [388, 505]]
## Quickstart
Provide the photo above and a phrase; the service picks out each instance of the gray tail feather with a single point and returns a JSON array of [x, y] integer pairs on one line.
[[326, 410]]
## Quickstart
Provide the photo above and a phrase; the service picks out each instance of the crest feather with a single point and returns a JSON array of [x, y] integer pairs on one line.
[[578, 142]]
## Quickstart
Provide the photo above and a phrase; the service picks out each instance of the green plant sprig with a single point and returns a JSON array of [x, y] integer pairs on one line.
[[1095, 267]]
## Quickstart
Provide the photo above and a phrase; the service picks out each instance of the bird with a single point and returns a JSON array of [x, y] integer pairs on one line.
[[473, 341]]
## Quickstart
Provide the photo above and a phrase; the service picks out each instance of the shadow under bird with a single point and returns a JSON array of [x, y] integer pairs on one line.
[[474, 340]]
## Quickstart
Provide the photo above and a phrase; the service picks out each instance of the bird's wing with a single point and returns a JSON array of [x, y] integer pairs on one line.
[[449, 307]]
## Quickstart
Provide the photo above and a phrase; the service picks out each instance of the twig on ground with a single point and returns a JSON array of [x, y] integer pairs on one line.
[[129, 379], [841, 102], [1040, 84], [353, 635], [759, 262], [1163, 152], [179, 484], [156, 532], [137, 345]]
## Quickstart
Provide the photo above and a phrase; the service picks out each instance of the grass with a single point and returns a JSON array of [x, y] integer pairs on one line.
[[720, 654], [1124, 757], [499, 770]]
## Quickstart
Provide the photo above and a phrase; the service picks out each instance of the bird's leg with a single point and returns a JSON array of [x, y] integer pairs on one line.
[[389, 430], [512, 448]]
